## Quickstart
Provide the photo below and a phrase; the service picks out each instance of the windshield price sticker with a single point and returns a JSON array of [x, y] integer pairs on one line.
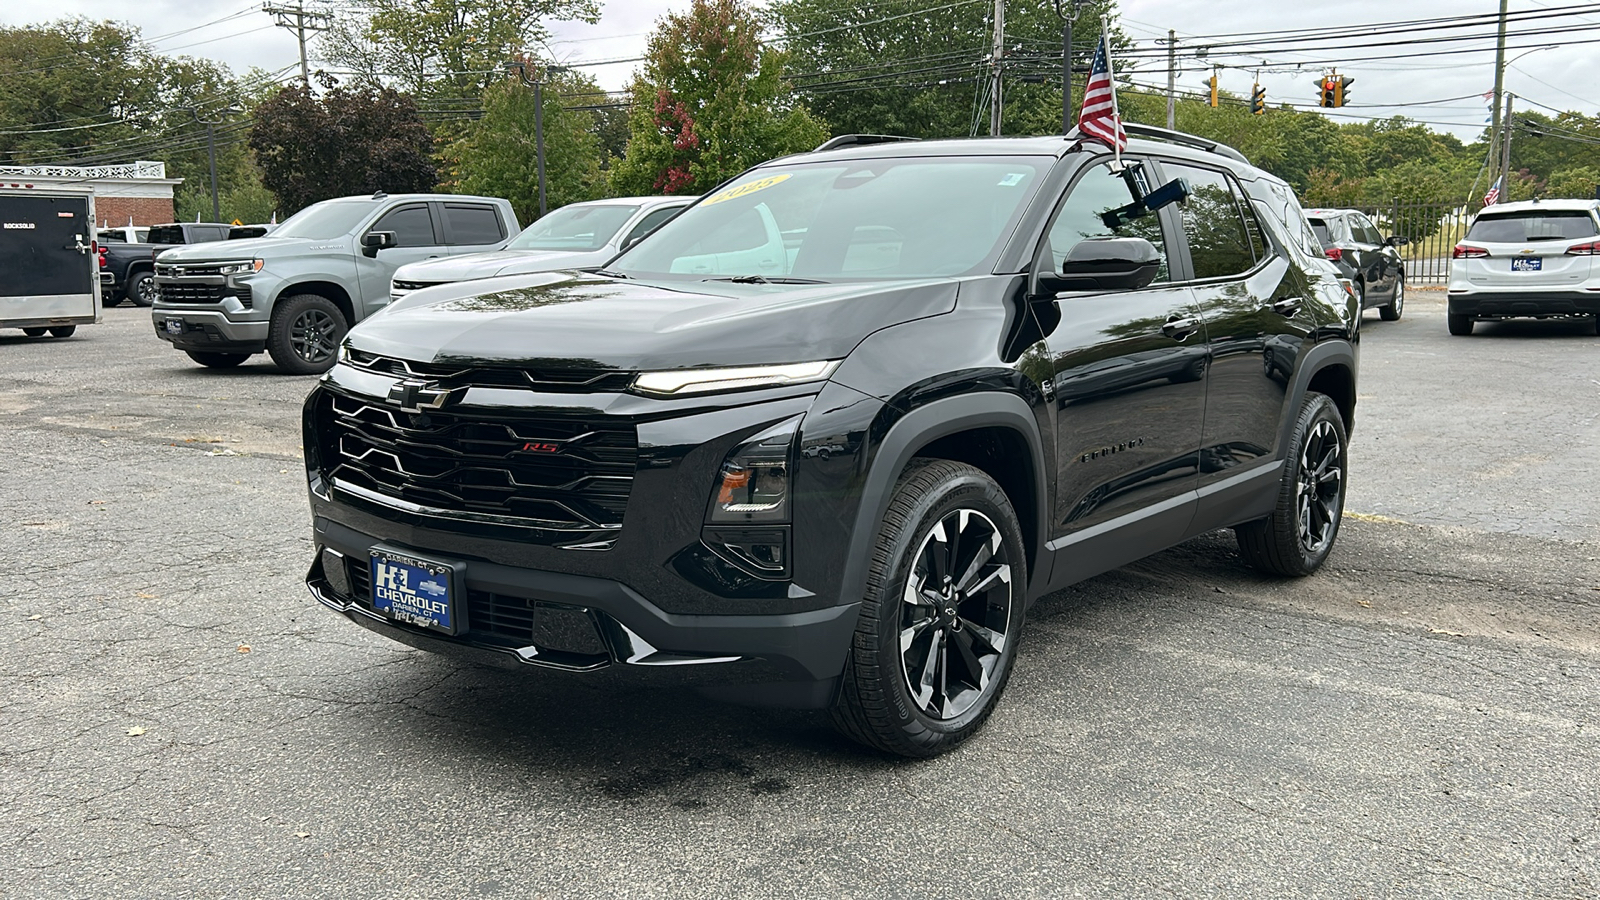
[[749, 187]]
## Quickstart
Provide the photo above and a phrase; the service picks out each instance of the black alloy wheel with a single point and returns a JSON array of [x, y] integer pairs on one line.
[[938, 628], [141, 288], [305, 334], [1297, 537], [1392, 311]]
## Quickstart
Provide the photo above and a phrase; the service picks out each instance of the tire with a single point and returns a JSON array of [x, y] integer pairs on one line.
[[141, 288], [1298, 535], [1458, 324], [63, 331], [305, 334], [35, 332], [217, 360], [1597, 323], [1361, 296], [110, 298], [940, 511], [1392, 311]]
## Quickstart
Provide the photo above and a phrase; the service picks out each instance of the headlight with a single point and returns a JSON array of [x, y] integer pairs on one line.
[[700, 381], [242, 268], [753, 486]]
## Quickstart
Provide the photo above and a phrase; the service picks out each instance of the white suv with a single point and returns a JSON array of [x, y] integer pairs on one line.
[[1534, 258]]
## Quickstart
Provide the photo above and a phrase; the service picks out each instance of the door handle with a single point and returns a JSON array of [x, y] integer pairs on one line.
[[1180, 327], [1286, 306]]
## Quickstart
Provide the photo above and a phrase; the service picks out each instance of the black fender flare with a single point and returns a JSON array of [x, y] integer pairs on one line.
[[915, 430], [1321, 356]]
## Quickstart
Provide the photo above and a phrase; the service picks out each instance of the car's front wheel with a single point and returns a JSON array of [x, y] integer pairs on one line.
[[1392, 310], [305, 334], [1299, 534], [939, 624]]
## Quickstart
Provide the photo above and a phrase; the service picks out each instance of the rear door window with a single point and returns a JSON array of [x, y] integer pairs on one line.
[[473, 224], [1539, 225], [1219, 245]]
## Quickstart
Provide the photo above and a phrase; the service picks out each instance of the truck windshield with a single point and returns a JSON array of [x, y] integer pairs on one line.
[[326, 220], [843, 220], [573, 228]]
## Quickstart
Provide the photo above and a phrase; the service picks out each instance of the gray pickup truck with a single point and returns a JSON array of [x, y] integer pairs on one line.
[[295, 293]]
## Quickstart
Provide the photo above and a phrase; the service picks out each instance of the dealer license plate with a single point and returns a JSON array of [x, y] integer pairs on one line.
[[1526, 263], [415, 591], [174, 326]]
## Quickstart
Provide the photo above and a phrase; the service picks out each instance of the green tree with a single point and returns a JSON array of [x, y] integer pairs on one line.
[[710, 103], [348, 141], [497, 157], [441, 48], [1580, 182]]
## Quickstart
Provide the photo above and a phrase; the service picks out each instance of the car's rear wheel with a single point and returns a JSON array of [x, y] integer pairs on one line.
[[937, 634], [141, 288], [1458, 324], [217, 360], [305, 334], [35, 332], [1299, 534], [1391, 311], [63, 331]]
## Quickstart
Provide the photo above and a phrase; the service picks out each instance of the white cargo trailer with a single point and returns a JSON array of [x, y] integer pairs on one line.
[[49, 261]]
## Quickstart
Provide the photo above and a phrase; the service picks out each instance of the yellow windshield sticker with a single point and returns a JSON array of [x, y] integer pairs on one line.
[[749, 187]]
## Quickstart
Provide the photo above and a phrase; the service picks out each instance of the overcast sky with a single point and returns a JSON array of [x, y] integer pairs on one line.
[[1563, 76]]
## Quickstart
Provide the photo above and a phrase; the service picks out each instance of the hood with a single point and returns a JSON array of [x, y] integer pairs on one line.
[[247, 248], [472, 266], [563, 319]]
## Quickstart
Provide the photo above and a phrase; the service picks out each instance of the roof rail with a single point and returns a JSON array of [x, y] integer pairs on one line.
[[1177, 137], [850, 140]]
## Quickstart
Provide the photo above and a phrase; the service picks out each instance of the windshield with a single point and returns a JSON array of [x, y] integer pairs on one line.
[[574, 228], [1542, 225], [325, 221], [844, 220]]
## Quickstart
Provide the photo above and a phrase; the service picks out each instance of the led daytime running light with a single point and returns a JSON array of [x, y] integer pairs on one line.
[[700, 381]]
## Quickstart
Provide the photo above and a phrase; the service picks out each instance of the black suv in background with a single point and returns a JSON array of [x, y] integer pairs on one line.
[[823, 438], [1363, 255]]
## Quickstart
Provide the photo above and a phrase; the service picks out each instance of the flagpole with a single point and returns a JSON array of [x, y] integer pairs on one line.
[[1111, 77]]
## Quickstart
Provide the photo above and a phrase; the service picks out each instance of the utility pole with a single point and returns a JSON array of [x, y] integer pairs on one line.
[[999, 53], [299, 20], [1172, 80], [1505, 153], [1499, 86], [538, 119], [211, 153]]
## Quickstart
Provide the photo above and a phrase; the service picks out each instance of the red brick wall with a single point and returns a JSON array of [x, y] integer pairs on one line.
[[144, 210]]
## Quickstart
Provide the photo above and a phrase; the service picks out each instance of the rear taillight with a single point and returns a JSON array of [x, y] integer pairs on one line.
[[1334, 253], [101, 252], [1590, 249], [1466, 251]]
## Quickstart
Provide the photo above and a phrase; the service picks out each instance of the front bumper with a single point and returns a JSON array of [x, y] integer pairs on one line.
[[208, 329], [1510, 304], [789, 659]]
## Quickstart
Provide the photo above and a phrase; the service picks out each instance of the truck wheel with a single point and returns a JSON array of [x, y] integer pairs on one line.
[[305, 334], [63, 331], [939, 624], [35, 332], [141, 288], [110, 298], [1459, 325], [1297, 537], [217, 360]]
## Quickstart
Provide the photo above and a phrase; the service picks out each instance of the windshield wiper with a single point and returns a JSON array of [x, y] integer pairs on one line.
[[609, 274], [762, 279]]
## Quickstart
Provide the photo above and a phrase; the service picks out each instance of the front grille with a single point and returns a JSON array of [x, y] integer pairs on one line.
[[164, 270], [449, 376], [564, 634], [405, 287], [534, 469], [184, 292]]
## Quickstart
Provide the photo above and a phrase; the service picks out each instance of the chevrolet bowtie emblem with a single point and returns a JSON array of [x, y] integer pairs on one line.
[[415, 396]]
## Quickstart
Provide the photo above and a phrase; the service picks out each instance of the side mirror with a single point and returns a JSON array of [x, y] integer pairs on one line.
[[373, 241], [1395, 240], [1104, 264]]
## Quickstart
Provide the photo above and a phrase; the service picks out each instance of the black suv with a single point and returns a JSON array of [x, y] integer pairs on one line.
[[1363, 255], [821, 439]]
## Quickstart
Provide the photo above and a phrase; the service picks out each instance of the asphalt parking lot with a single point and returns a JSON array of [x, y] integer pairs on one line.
[[1419, 719]]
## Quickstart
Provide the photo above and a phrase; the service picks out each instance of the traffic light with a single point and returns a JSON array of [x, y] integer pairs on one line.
[[1325, 91], [1213, 82], [1258, 100], [1341, 89]]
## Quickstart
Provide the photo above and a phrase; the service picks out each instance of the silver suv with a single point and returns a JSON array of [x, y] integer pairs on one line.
[[295, 294]]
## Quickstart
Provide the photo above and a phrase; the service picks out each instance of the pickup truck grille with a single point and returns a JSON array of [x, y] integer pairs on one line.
[[449, 376], [173, 292], [405, 287], [555, 473]]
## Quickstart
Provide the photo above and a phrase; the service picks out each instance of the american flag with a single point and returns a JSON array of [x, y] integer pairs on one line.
[[1493, 196], [1098, 118]]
